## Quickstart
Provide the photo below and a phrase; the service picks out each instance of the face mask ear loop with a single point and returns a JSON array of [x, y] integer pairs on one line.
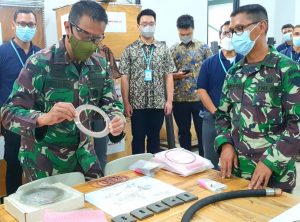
[[252, 30]]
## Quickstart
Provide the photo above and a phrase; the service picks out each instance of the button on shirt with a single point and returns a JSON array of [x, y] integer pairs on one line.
[[212, 75], [292, 54], [147, 94], [189, 56], [10, 66]]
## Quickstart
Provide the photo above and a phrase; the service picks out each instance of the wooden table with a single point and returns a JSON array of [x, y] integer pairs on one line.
[[244, 209]]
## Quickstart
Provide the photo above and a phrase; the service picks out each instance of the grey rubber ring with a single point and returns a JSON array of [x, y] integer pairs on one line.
[[86, 131]]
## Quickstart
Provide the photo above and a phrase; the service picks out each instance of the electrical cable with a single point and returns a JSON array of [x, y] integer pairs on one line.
[[188, 215]]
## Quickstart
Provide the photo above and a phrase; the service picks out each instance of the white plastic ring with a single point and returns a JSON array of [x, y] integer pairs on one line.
[[86, 131]]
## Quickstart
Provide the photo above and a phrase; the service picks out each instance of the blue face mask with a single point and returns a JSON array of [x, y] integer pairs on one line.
[[242, 43], [287, 36], [25, 34], [296, 41]]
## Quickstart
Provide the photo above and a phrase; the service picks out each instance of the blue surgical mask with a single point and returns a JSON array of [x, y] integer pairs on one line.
[[296, 41], [25, 34], [242, 43], [287, 36]]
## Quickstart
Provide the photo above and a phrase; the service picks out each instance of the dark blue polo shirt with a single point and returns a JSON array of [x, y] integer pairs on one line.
[[291, 53], [10, 66], [282, 46], [212, 76]]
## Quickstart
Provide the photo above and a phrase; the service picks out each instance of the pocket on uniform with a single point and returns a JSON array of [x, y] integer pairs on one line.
[[270, 105]]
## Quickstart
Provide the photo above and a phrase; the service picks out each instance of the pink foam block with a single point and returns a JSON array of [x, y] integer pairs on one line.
[[77, 215]]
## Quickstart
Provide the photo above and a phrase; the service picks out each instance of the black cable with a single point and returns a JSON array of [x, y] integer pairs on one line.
[[188, 215]]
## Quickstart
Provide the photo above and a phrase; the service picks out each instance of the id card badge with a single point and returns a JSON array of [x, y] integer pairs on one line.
[[148, 75]]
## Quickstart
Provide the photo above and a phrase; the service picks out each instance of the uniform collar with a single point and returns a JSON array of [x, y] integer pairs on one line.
[[19, 48], [270, 61], [61, 55]]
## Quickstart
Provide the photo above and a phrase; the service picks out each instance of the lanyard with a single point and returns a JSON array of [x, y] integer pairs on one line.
[[298, 61], [148, 60], [16, 51], [222, 64]]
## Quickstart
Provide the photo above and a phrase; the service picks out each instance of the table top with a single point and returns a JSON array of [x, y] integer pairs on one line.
[[242, 209]]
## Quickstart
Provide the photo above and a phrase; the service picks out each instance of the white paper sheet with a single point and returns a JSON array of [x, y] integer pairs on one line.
[[63, 18], [116, 22], [130, 195], [291, 215]]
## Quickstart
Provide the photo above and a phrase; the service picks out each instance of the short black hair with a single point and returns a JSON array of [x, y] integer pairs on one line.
[[220, 31], [148, 11], [296, 26], [254, 12], [89, 8], [185, 22], [25, 11], [287, 26]]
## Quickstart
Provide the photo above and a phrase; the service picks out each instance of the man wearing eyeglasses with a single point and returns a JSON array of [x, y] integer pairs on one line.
[[147, 84], [258, 119], [53, 82], [211, 78], [13, 56]]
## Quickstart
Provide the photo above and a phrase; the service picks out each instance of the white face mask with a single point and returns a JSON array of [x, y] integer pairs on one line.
[[186, 39], [226, 44], [148, 31]]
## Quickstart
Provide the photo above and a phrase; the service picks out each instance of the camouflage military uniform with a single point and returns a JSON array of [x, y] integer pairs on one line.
[[49, 77], [259, 115]]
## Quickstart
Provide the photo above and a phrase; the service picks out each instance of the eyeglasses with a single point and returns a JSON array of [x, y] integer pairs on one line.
[[86, 36], [24, 24], [239, 29], [147, 24]]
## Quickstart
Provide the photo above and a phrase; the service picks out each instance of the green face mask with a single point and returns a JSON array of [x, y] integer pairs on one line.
[[82, 49]]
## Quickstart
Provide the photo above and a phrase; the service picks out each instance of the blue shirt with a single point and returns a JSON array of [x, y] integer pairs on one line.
[[291, 53], [10, 66], [212, 76], [282, 46]]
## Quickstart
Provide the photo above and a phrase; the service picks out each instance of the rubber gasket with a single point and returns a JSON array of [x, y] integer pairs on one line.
[[86, 131]]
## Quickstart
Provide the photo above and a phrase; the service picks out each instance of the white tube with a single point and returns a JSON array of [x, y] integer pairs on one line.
[[86, 131]]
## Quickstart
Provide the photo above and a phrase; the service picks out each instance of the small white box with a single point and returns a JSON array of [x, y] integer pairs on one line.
[[25, 213]]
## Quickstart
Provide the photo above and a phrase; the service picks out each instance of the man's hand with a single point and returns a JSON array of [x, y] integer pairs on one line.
[[181, 75], [60, 111], [227, 159], [116, 126], [260, 177], [128, 109], [168, 107]]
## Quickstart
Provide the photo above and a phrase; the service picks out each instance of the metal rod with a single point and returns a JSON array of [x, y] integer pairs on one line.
[[170, 131]]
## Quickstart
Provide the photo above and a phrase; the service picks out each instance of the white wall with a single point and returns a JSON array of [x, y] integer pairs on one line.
[[280, 13], [50, 18], [166, 18], [167, 12]]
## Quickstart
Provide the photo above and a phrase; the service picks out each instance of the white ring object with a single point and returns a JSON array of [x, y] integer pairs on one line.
[[100, 134]]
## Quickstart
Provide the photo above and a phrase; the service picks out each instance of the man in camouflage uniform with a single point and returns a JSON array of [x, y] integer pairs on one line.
[[258, 117], [53, 82]]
